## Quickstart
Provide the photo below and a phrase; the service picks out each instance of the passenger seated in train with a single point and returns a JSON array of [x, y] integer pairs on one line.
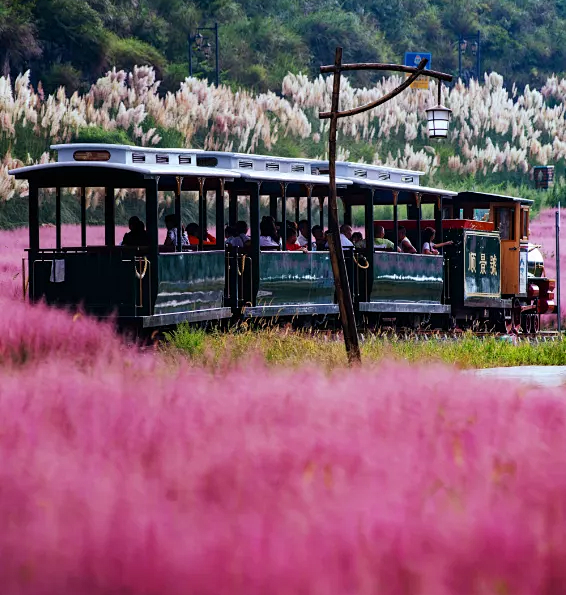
[[268, 238], [428, 246], [304, 233], [404, 242], [137, 236], [229, 233], [382, 243], [194, 233], [292, 242], [171, 238], [240, 238], [346, 236], [319, 239], [358, 240]]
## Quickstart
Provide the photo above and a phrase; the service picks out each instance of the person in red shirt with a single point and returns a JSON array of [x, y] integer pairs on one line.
[[193, 231], [292, 243]]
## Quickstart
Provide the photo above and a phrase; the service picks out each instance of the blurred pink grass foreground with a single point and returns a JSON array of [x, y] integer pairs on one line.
[[123, 472]]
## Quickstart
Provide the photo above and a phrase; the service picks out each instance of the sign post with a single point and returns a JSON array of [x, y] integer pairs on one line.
[[413, 59]]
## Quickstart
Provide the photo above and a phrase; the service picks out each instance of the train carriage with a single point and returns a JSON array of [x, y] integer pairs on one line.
[[481, 278]]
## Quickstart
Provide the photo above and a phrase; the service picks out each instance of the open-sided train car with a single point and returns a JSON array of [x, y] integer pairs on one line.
[[482, 277]]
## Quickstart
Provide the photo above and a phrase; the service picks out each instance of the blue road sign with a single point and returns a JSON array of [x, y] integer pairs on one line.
[[413, 59]]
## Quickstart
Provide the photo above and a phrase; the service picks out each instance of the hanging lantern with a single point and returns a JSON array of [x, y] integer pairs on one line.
[[438, 118]]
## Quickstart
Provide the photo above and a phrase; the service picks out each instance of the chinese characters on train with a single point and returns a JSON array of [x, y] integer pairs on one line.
[[472, 264]]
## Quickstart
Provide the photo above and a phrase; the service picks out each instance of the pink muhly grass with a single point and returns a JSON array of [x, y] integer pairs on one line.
[[142, 481], [543, 231], [124, 472], [32, 332]]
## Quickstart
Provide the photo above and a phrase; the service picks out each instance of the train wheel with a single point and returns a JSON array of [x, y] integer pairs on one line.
[[508, 321], [528, 323], [536, 323], [516, 315]]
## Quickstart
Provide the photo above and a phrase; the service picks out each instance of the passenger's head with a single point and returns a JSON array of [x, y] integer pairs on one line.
[[304, 228], [292, 224], [138, 225], [428, 234], [318, 232], [402, 232], [346, 230], [241, 227], [170, 221], [380, 231], [193, 230], [229, 232], [357, 237], [267, 227], [132, 222], [291, 234]]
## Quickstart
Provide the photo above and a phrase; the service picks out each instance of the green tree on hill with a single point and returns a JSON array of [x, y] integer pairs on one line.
[[72, 42]]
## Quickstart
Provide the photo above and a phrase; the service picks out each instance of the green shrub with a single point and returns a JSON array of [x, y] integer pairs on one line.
[[97, 134], [62, 75], [125, 53], [189, 340]]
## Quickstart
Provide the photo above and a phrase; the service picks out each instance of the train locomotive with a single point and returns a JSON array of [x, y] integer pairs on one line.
[[490, 277]]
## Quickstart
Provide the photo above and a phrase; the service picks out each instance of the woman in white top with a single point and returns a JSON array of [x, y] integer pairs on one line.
[[428, 246], [268, 234]]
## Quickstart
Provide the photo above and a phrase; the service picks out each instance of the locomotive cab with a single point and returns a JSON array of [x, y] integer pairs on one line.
[[519, 301]]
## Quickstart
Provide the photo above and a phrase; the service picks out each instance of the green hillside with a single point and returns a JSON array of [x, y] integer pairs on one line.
[[72, 42]]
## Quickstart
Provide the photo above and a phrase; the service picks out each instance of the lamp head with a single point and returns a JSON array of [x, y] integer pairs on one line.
[[438, 118]]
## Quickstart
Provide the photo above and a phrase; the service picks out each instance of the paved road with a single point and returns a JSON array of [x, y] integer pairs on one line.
[[532, 375]]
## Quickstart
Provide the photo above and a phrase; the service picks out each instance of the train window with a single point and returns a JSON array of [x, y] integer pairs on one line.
[[505, 222], [524, 224], [481, 214]]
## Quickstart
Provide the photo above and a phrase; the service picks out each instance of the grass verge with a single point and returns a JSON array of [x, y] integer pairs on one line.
[[294, 348]]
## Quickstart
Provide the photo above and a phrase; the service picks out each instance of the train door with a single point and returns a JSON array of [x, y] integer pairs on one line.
[[506, 220]]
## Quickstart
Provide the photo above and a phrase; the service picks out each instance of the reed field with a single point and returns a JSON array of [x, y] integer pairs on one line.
[[497, 134]]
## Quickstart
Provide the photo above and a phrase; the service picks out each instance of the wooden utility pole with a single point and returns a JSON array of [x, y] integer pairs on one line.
[[341, 284], [334, 242]]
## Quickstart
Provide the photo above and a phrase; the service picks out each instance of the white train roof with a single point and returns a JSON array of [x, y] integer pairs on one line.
[[187, 162]]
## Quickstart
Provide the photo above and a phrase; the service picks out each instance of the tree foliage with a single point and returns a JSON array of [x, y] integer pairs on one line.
[[260, 40]]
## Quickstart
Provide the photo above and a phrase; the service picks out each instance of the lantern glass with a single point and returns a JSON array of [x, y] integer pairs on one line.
[[207, 49], [475, 48], [463, 45], [198, 39], [438, 119]]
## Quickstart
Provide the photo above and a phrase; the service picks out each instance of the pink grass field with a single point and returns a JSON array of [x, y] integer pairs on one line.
[[124, 472], [543, 232]]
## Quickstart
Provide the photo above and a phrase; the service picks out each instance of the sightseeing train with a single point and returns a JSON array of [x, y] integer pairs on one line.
[[487, 275]]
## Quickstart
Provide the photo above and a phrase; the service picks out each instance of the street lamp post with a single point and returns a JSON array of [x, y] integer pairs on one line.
[[203, 45], [475, 45], [437, 118]]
